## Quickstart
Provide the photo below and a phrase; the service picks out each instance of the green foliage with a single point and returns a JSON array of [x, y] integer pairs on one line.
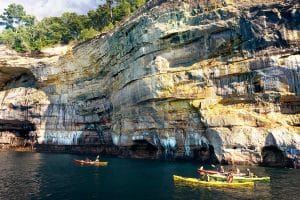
[[15, 15], [109, 4], [24, 35], [75, 23], [28, 20], [122, 10], [107, 28], [7, 37], [138, 3], [99, 18], [86, 34], [125, 8]]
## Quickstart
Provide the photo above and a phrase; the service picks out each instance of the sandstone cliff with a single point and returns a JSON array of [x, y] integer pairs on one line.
[[180, 79]]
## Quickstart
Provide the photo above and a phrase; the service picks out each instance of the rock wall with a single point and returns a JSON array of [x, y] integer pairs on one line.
[[180, 79]]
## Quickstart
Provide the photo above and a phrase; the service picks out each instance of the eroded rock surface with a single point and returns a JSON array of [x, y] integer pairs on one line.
[[184, 79]]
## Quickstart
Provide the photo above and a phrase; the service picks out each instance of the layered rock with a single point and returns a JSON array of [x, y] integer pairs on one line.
[[216, 82]]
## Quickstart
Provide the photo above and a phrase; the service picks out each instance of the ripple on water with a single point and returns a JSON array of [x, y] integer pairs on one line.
[[18, 175], [25, 176]]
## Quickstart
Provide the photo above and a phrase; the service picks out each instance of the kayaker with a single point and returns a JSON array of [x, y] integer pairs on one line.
[[206, 177], [248, 172], [237, 170], [295, 162], [221, 169], [230, 176], [97, 158]]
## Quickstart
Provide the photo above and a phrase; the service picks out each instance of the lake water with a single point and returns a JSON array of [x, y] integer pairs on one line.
[[54, 176]]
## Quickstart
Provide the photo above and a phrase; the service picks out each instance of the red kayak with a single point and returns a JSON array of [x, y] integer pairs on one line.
[[203, 171], [211, 172]]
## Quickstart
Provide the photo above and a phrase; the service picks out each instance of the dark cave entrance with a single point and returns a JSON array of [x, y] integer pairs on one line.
[[258, 86], [15, 132], [143, 149], [15, 77], [273, 157], [206, 155]]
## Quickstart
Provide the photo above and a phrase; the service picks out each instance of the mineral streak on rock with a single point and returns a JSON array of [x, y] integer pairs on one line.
[[215, 81]]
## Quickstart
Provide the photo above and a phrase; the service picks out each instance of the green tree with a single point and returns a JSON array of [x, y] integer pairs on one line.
[[48, 34], [138, 3], [86, 34], [99, 18], [109, 4], [28, 20], [122, 10], [24, 35], [15, 15], [125, 8], [7, 37]]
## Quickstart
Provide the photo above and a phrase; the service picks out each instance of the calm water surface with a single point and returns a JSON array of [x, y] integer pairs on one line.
[[54, 176]]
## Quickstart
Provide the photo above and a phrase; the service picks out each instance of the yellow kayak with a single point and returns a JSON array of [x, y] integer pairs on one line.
[[83, 162], [197, 182], [219, 177]]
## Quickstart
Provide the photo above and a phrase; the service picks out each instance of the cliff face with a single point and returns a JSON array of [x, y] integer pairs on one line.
[[182, 80]]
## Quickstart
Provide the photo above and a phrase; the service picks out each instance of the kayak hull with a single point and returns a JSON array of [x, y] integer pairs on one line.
[[94, 163], [197, 182], [211, 172], [203, 171], [239, 179]]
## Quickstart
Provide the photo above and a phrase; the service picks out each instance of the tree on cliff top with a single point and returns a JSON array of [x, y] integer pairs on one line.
[[15, 15], [23, 35], [109, 4]]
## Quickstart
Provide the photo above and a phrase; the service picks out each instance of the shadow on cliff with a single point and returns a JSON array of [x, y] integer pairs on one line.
[[16, 77], [205, 155], [249, 35], [273, 156], [265, 17], [15, 116], [260, 84], [20, 129], [290, 104], [143, 149]]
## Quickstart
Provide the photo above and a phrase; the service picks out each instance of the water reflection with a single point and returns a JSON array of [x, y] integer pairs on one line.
[[181, 191], [25, 176], [19, 178]]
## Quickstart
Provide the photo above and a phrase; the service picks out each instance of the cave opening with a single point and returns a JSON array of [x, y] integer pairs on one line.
[[16, 129], [258, 86], [143, 149], [16, 77], [16, 132], [206, 155], [272, 156]]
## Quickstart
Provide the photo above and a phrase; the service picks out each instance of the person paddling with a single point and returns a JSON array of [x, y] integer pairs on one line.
[[237, 170], [206, 177], [248, 172], [221, 169], [230, 176], [295, 162], [97, 158]]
